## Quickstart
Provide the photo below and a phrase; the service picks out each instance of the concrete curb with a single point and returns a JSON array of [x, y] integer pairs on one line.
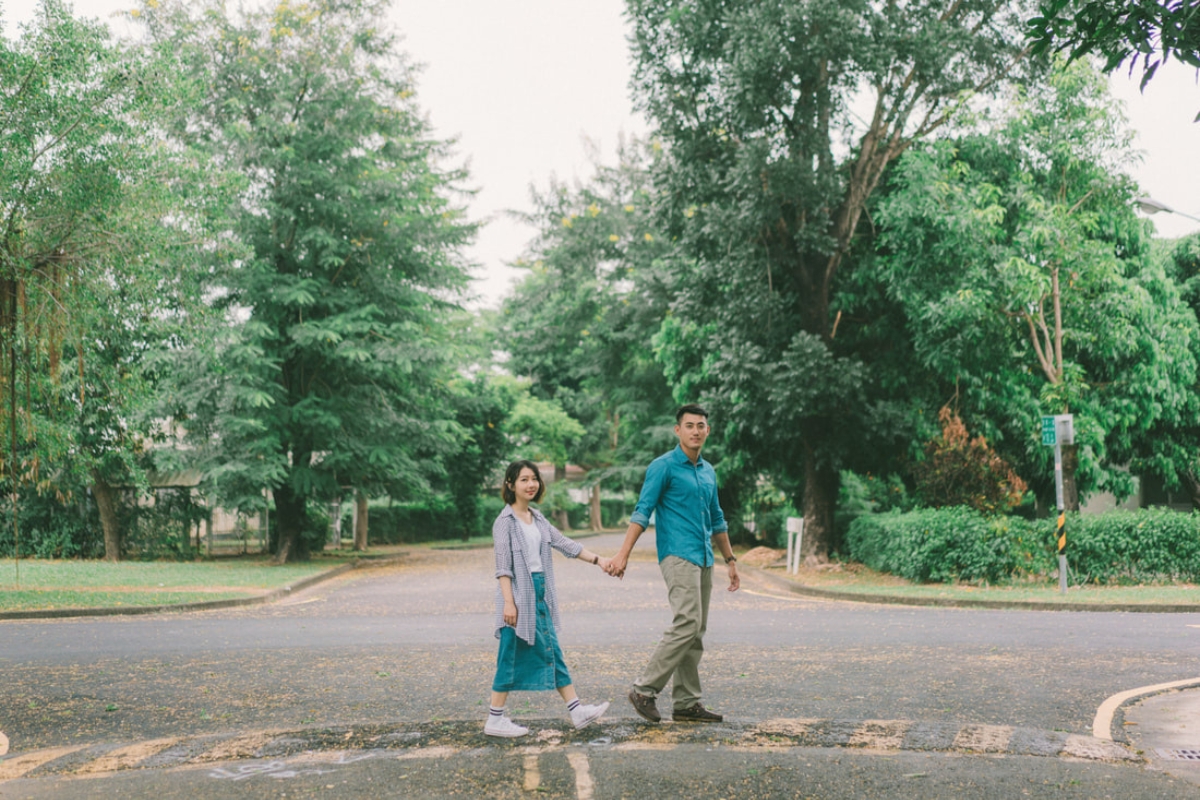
[[946, 602], [202, 605]]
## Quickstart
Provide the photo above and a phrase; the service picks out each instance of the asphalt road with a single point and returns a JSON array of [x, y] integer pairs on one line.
[[375, 685]]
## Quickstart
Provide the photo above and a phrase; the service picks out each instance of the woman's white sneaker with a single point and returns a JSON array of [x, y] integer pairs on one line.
[[503, 726], [583, 716]]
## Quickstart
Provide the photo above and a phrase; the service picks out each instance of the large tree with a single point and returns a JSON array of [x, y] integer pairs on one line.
[[332, 377], [1029, 289], [779, 121], [581, 323], [100, 219]]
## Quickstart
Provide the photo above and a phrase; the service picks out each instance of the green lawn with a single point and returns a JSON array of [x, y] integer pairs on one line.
[[857, 579], [52, 584]]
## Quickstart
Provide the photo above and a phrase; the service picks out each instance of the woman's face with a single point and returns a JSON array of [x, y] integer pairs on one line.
[[527, 485]]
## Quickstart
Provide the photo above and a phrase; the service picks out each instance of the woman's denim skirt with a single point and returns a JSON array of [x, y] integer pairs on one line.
[[521, 667]]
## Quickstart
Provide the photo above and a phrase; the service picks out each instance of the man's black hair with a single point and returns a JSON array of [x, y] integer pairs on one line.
[[690, 408]]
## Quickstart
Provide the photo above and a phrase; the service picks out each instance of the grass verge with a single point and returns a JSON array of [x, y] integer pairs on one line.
[[857, 579], [55, 584]]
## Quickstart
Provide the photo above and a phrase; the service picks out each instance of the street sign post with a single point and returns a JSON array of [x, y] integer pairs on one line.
[[1057, 431]]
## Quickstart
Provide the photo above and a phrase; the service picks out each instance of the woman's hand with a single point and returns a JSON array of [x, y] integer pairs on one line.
[[604, 564], [510, 614]]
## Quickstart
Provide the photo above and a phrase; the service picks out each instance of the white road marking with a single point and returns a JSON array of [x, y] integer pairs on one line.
[[533, 778], [430, 752], [983, 738], [583, 777], [1102, 724], [883, 734], [127, 756], [17, 766], [1092, 749]]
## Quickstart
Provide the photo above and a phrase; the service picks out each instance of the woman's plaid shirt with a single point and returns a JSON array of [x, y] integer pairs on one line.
[[510, 560]]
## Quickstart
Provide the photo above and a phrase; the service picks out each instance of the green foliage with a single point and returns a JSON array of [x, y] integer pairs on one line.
[[105, 217], [1151, 31], [1134, 546], [869, 494], [435, 519], [338, 376], [960, 543], [950, 544], [580, 324], [764, 180], [53, 529], [1027, 288]]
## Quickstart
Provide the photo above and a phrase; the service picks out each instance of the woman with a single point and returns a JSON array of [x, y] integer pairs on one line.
[[529, 658]]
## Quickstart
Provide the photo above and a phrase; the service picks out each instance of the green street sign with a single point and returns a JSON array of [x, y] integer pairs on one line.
[[1048, 431]]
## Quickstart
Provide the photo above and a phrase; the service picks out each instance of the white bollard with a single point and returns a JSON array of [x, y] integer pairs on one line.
[[795, 535]]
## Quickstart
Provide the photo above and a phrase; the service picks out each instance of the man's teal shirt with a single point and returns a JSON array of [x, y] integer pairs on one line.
[[683, 498]]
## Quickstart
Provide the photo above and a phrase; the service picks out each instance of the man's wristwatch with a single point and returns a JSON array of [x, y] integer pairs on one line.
[[731, 560]]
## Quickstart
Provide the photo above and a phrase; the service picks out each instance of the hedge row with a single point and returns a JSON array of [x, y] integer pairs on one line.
[[948, 544]]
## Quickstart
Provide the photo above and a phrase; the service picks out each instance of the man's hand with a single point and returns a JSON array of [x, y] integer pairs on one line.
[[616, 565], [510, 614], [734, 581]]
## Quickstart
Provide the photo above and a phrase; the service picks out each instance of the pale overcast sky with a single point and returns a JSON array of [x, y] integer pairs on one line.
[[522, 83]]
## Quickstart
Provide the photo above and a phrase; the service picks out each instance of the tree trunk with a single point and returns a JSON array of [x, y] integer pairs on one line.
[[290, 513], [595, 522], [561, 520], [820, 498], [107, 504], [360, 521], [1192, 483], [1070, 465]]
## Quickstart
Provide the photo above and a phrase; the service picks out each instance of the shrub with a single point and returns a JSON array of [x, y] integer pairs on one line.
[[958, 470], [959, 543], [1134, 546], [947, 544]]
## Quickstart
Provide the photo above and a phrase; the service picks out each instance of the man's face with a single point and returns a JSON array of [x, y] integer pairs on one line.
[[692, 430]]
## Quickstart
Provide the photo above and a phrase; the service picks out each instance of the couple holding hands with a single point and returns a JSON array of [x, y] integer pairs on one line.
[[680, 489]]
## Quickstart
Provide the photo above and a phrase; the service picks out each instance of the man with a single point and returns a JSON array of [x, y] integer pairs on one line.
[[681, 490]]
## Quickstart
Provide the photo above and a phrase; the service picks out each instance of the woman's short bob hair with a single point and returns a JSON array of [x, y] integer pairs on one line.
[[510, 480]]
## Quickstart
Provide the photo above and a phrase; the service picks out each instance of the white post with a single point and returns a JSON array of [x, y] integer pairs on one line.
[[795, 536]]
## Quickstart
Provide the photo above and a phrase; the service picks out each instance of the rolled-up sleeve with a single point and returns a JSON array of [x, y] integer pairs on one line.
[[652, 487], [719, 525], [568, 547], [502, 545]]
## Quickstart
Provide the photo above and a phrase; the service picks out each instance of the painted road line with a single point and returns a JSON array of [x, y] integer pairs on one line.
[[17, 766], [880, 734], [533, 778], [583, 776], [127, 757], [983, 738], [1102, 724], [440, 751], [1094, 749], [3, 743]]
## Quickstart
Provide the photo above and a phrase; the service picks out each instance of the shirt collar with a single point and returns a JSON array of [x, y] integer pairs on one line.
[[681, 457]]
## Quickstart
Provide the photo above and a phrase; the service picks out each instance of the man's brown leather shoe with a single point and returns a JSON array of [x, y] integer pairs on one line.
[[644, 706], [697, 713]]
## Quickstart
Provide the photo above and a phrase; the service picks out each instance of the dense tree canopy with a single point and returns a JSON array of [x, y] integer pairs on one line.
[[581, 324], [100, 211], [333, 375], [1029, 288], [1149, 32], [769, 167]]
